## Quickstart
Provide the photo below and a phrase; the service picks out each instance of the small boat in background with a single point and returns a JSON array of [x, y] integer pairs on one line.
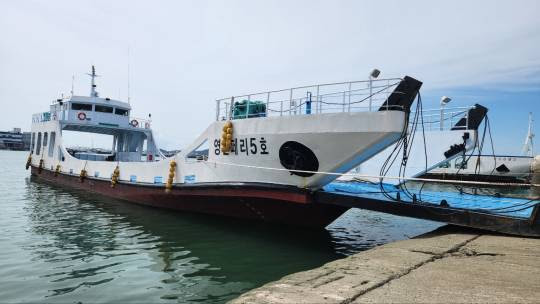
[[260, 159], [440, 136], [490, 168]]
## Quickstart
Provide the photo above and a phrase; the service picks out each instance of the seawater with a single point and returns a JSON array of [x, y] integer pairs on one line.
[[65, 246]]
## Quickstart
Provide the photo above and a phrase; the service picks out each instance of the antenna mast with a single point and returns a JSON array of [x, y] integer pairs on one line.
[[72, 84], [528, 145], [93, 92], [128, 88]]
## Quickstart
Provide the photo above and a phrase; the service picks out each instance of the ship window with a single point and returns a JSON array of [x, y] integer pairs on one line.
[[81, 107], [123, 112], [103, 109], [33, 141], [51, 144], [38, 143], [45, 138]]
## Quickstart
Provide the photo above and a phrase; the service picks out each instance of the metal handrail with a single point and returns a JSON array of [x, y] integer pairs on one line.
[[447, 115], [324, 95]]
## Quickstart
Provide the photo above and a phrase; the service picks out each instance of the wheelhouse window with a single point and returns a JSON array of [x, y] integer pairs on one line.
[[81, 107], [103, 109], [119, 111]]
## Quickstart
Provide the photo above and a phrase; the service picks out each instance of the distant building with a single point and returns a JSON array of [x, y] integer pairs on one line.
[[15, 140]]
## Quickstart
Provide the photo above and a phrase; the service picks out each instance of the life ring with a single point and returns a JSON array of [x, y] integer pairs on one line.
[[134, 123], [81, 116]]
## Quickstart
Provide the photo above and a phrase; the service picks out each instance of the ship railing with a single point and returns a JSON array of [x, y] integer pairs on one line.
[[353, 96], [444, 119], [41, 117]]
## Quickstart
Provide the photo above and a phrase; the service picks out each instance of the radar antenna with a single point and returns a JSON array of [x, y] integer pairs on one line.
[[93, 92]]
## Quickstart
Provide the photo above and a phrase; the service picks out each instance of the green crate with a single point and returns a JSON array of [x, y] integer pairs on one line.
[[256, 109]]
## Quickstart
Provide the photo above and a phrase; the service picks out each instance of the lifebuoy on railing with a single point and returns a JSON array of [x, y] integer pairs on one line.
[[81, 116], [134, 123]]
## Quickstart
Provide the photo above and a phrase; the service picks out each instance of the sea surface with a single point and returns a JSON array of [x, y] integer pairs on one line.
[[59, 245]]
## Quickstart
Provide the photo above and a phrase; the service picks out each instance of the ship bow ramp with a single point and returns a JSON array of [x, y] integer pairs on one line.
[[300, 150]]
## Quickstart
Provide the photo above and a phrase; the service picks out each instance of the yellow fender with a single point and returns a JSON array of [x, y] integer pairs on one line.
[[170, 179], [29, 161], [114, 177], [226, 137], [83, 175]]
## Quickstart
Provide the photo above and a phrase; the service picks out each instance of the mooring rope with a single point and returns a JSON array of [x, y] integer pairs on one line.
[[379, 177]]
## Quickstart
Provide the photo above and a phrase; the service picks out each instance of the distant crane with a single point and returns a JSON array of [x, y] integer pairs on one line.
[[528, 145]]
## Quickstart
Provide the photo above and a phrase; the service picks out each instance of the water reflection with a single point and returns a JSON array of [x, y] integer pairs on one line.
[[148, 254]]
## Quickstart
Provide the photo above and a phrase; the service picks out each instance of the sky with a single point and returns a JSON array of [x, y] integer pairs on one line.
[[183, 55]]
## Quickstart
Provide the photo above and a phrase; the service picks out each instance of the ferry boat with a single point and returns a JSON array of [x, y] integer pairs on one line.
[[490, 168], [260, 159], [482, 167], [441, 135]]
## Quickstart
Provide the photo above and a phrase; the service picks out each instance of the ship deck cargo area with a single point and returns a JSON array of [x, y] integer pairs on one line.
[[517, 216]]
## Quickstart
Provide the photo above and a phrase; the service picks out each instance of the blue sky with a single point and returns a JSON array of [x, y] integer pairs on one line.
[[186, 54]]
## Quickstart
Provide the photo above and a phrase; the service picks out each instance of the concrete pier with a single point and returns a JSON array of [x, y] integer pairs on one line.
[[448, 265]]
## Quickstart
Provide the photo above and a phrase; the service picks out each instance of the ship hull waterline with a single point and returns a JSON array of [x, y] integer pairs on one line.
[[267, 203]]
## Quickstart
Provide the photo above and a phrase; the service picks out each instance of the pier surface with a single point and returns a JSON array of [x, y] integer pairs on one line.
[[448, 265]]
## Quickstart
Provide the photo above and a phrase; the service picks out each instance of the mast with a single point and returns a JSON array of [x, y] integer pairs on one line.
[[72, 84], [528, 145], [93, 92], [128, 89]]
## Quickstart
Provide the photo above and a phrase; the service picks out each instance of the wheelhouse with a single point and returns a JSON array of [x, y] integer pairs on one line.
[[131, 138]]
